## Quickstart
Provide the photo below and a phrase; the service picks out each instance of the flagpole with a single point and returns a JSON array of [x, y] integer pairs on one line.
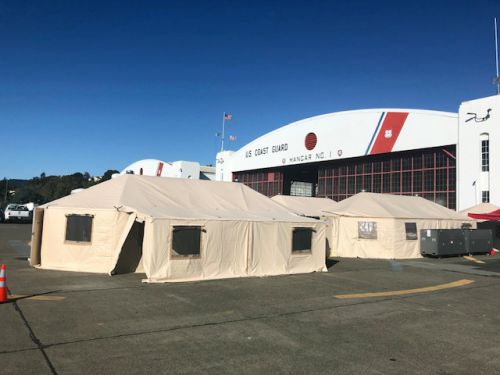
[[223, 126]]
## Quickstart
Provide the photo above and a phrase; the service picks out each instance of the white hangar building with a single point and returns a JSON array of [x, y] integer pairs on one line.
[[449, 158], [179, 169]]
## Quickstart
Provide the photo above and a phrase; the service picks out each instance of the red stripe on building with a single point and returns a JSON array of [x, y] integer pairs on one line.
[[159, 169], [389, 132]]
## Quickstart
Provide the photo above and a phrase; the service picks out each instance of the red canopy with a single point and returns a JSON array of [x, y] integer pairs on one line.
[[493, 215]]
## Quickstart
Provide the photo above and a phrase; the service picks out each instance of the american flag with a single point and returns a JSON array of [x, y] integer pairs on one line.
[[232, 138], [228, 116]]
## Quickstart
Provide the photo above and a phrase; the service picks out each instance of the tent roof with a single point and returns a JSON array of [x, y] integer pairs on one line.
[[494, 215], [393, 206], [305, 206], [163, 197], [480, 208]]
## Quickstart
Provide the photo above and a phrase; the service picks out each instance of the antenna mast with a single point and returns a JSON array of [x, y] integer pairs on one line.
[[497, 77]]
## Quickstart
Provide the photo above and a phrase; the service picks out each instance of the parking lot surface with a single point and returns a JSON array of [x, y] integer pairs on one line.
[[433, 316]]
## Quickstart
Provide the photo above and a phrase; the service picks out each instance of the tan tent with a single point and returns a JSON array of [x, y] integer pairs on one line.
[[371, 225], [494, 226], [175, 230], [481, 208], [311, 207], [306, 206]]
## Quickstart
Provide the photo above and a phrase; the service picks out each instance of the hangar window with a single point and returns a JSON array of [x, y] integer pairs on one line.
[[367, 182], [342, 185], [395, 182], [417, 162], [452, 177], [367, 230], [186, 241], [406, 163], [417, 181], [351, 185], [429, 180], [376, 183], [368, 168], [441, 179], [411, 231], [406, 179], [441, 160], [335, 185], [321, 188], [386, 183], [302, 240], [429, 160], [79, 228], [301, 189]]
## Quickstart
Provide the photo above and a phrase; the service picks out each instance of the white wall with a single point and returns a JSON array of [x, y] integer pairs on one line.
[[341, 135], [224, 166], [179, 169], [471, 180], [184, 169]]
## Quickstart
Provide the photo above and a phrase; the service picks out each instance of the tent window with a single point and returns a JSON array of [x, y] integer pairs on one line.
[[186, 241], [411, 231], [367, 230], [79, 228], [302, 240]]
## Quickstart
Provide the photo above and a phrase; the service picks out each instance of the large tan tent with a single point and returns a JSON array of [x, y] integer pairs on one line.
[[481, 208], [306, 206], [175, 230], [371, 225], [493, 225], [311, 207]]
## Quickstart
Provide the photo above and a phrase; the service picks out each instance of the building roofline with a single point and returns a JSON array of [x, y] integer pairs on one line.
[[452, 115]]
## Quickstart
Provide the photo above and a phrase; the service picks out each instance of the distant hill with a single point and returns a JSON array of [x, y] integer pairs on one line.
[[15, 183], [44, 189]]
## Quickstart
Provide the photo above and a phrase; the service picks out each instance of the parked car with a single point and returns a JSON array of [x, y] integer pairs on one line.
[[18, 213], [8, 209], [2, 216]]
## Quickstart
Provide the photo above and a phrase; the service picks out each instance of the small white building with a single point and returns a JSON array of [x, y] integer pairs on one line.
[[179, 169], [478, 152]]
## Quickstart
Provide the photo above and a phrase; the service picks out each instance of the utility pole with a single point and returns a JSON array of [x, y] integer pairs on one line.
[[6, 189]]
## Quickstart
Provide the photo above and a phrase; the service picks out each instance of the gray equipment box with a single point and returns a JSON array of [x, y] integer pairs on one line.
[[479, 240], [442, 242], [445, 242]]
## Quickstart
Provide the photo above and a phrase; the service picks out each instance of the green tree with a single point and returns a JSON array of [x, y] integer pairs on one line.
[[45, 188], [107, 175]]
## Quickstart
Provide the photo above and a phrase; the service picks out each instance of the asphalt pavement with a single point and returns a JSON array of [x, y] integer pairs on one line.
[[432, 316]]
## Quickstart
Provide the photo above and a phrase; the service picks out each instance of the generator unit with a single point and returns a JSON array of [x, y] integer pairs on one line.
[[446, 242], [478, 240]]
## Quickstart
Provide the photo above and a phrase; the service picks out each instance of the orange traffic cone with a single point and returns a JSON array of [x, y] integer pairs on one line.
[[3, 285]]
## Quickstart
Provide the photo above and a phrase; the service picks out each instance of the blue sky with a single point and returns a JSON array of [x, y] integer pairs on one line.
[[96, 85]]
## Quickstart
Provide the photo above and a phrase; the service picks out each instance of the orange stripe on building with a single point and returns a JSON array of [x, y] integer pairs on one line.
[[389, 132]]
